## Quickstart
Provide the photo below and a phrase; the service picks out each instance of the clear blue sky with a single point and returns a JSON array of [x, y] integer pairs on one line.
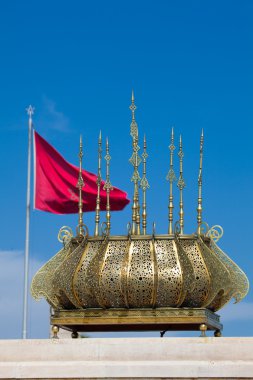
[[190, 64]]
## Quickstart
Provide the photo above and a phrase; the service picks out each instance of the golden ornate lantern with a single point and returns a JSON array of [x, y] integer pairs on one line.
[[140, 281]]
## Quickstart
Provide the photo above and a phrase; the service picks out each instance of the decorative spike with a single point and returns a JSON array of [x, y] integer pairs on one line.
[[181, 186], [108, 187], [80, 185], [199, 208], [135, 160], [171, 177], [30, 112], [99, 179], [134, 127], [133, 96], [144, 185]]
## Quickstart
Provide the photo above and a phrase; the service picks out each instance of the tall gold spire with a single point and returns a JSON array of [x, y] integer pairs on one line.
[[135, 161], [171, 177], [144, 185], [80, 185], [99, 178], [181, 186], [199, 208], [108, 187]]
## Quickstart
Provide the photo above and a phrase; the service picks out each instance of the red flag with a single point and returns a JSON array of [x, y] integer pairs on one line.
[[55, 184]]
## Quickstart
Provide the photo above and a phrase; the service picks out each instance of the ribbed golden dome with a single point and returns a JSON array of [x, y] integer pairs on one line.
[[140, 272]]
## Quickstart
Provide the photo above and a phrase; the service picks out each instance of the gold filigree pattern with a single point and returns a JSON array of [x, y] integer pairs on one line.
[[93, 274], [110, 280], [215, 233], [140, 282], [169, 273], [143, 272], [239, 280], [188, 278], [220, 279], [198, 295], [65, 234], [85, 298], [42, 285], [64, 274]]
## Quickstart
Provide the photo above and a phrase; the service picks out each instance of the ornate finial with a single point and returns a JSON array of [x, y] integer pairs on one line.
[[108, 187], [134, 127], [171, 177], [133, 106], [80, 185], [144, 185], [30, 110], [181, 186], [199, 208], [99, 179], [135, 161]]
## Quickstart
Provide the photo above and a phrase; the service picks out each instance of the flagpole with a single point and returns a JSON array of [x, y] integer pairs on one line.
[[30, 111]]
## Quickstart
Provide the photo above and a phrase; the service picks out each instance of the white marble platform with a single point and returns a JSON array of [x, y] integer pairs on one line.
[[128, 358]]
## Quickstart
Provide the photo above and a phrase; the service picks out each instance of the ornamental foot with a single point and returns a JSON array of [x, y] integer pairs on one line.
[[74, 335], [55, 330], [203, 328], [217, 333]]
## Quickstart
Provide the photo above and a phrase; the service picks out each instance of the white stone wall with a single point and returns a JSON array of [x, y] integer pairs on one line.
[[128, 358]]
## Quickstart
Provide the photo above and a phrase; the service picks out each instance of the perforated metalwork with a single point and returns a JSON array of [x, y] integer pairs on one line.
[[198, 295], [110, 279], [63, 277], [169, 284], [42, 285], [85, 298], [140, 273], [140, 281], [93, 274], [188, 277], [239, 280], [220, 277]]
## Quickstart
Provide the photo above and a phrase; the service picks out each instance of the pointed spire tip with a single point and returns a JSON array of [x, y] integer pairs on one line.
[[30, 110]]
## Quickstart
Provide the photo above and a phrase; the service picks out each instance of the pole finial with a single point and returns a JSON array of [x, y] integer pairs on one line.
[[181, 186], [135, 160], [144, 185], [30, 110], [199, 208], [171, 177], [80, 185], [99, 179], [108, 187]]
